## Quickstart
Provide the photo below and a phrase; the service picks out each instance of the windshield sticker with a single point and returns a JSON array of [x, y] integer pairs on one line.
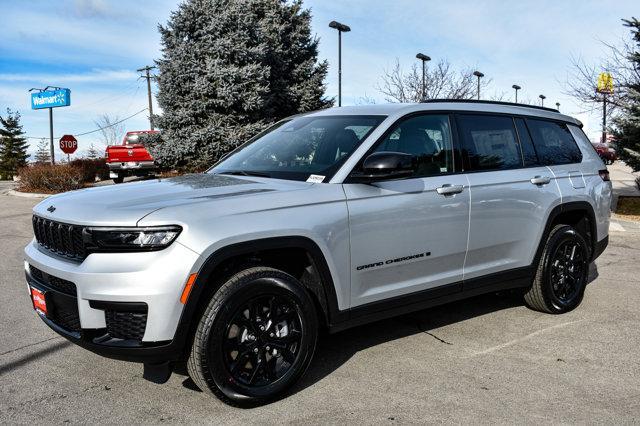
[[315, 178]]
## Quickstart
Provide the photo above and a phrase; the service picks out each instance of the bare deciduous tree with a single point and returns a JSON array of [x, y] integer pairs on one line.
[[442, 82], [111, 130], [582, 79]]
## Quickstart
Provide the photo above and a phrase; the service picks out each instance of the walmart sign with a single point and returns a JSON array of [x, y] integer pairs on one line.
[[51, 99]]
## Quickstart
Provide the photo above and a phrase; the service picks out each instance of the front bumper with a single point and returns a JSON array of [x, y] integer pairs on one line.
[[105, 282]]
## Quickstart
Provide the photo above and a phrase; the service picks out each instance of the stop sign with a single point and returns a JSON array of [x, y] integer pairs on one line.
[[68, 144]]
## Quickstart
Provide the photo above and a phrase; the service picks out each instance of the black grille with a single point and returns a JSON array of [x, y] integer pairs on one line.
[[61, 298], [66, 316], [126, 325], [63, 286], [61, 238]]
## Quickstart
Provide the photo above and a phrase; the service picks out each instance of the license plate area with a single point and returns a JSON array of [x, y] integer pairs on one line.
[[38, 298]]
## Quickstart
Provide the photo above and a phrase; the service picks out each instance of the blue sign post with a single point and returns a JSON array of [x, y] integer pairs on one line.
[[50, 97]]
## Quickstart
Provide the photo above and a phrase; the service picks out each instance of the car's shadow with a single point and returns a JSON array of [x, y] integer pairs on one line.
[[334, 350]]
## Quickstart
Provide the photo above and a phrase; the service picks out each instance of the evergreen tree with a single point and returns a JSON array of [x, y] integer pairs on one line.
[[43, 154], [627, 123], [13, 146], [229, 68], [92, 152]]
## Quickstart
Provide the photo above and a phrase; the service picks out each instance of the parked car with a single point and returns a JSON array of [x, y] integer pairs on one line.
[[328, 220], [606, 152], [130, 158]]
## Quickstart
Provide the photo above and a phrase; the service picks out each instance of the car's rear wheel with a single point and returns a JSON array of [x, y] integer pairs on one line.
[[118, 179], [562, 272], [256, 337]]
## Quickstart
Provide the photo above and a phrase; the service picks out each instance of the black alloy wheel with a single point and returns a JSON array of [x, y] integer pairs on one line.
[[256, 337], [263, 340], [562, 272], [567, 271]]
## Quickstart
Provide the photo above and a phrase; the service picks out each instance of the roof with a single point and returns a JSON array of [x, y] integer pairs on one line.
[[400, 109]]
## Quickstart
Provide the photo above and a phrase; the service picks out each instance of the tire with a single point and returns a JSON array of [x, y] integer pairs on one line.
[[561, 276], [241, 364], [118, 180]]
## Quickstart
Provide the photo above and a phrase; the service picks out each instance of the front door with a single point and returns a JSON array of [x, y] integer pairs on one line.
[[410, 235]]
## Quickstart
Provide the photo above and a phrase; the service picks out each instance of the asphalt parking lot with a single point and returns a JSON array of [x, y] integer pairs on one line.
[[484, 360]]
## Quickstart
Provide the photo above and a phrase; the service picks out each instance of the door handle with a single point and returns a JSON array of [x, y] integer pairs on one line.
[[540, 180], [448, 189]]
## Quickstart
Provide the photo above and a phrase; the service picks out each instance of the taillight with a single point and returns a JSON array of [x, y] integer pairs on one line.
[[604, 174]]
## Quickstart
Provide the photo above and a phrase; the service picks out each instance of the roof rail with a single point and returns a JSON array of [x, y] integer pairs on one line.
[[475, 101]]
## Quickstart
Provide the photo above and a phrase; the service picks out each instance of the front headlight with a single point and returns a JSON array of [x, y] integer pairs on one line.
[[131, 239]]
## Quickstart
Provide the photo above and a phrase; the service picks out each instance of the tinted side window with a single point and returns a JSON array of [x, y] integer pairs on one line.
[[554, 143], [489, 142], [526, 144], [427, 138]]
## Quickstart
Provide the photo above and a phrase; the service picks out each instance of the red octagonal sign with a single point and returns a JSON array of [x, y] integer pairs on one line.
[[68, 144]]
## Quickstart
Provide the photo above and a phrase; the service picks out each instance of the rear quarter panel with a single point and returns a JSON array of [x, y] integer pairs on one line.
[[597, 192]]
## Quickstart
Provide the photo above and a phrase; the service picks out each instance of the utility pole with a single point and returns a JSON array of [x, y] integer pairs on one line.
[[148, 76]]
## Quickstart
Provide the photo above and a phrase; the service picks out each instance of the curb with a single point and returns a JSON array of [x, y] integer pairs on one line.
[[26, 194]]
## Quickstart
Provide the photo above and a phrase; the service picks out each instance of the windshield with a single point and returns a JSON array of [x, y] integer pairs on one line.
[[301, 147]]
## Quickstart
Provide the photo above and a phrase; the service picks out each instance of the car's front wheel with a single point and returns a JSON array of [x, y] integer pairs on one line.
[[256, 337], [562, 273]]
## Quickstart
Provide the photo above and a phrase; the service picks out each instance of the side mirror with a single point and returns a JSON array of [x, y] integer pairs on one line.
[[384, 166]]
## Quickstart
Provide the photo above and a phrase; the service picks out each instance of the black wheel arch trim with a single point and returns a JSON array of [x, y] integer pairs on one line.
[[325, 293], [571, 206]]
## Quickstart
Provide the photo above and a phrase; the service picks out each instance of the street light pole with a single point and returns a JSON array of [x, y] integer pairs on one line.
[[479, 75], [558, 106], [516, 88], [341, 29], [542, 98], [424, 58]]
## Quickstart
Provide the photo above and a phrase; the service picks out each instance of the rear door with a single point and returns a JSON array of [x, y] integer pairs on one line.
[[511, 194], [410, 235], [558, 151]]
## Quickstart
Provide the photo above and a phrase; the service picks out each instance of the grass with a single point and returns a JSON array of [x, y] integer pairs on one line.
[[628, 208]]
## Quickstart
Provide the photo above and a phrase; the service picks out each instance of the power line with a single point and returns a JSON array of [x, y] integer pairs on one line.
[[99, 128]]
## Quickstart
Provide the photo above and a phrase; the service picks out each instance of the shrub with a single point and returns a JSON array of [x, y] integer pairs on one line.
[[92, 167], [49, 179]]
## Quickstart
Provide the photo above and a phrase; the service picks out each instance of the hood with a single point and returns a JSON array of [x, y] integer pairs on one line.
[[126, 204]]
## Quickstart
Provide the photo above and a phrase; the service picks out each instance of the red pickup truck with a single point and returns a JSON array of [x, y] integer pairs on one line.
[[130, 158]]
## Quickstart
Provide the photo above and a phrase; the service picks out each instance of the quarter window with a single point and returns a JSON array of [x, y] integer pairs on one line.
[[427, 138], [554, 143], [489, 142]]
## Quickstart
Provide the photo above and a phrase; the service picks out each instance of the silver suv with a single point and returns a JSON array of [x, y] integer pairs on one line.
[[327, 220]]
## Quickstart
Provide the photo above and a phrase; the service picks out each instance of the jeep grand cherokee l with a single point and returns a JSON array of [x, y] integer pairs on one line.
[[328, 219]]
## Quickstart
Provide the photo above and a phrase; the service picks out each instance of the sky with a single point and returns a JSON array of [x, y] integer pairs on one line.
[[94, 47]]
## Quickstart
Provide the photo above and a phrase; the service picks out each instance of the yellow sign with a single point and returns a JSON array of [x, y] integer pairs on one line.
[[605, 83]]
